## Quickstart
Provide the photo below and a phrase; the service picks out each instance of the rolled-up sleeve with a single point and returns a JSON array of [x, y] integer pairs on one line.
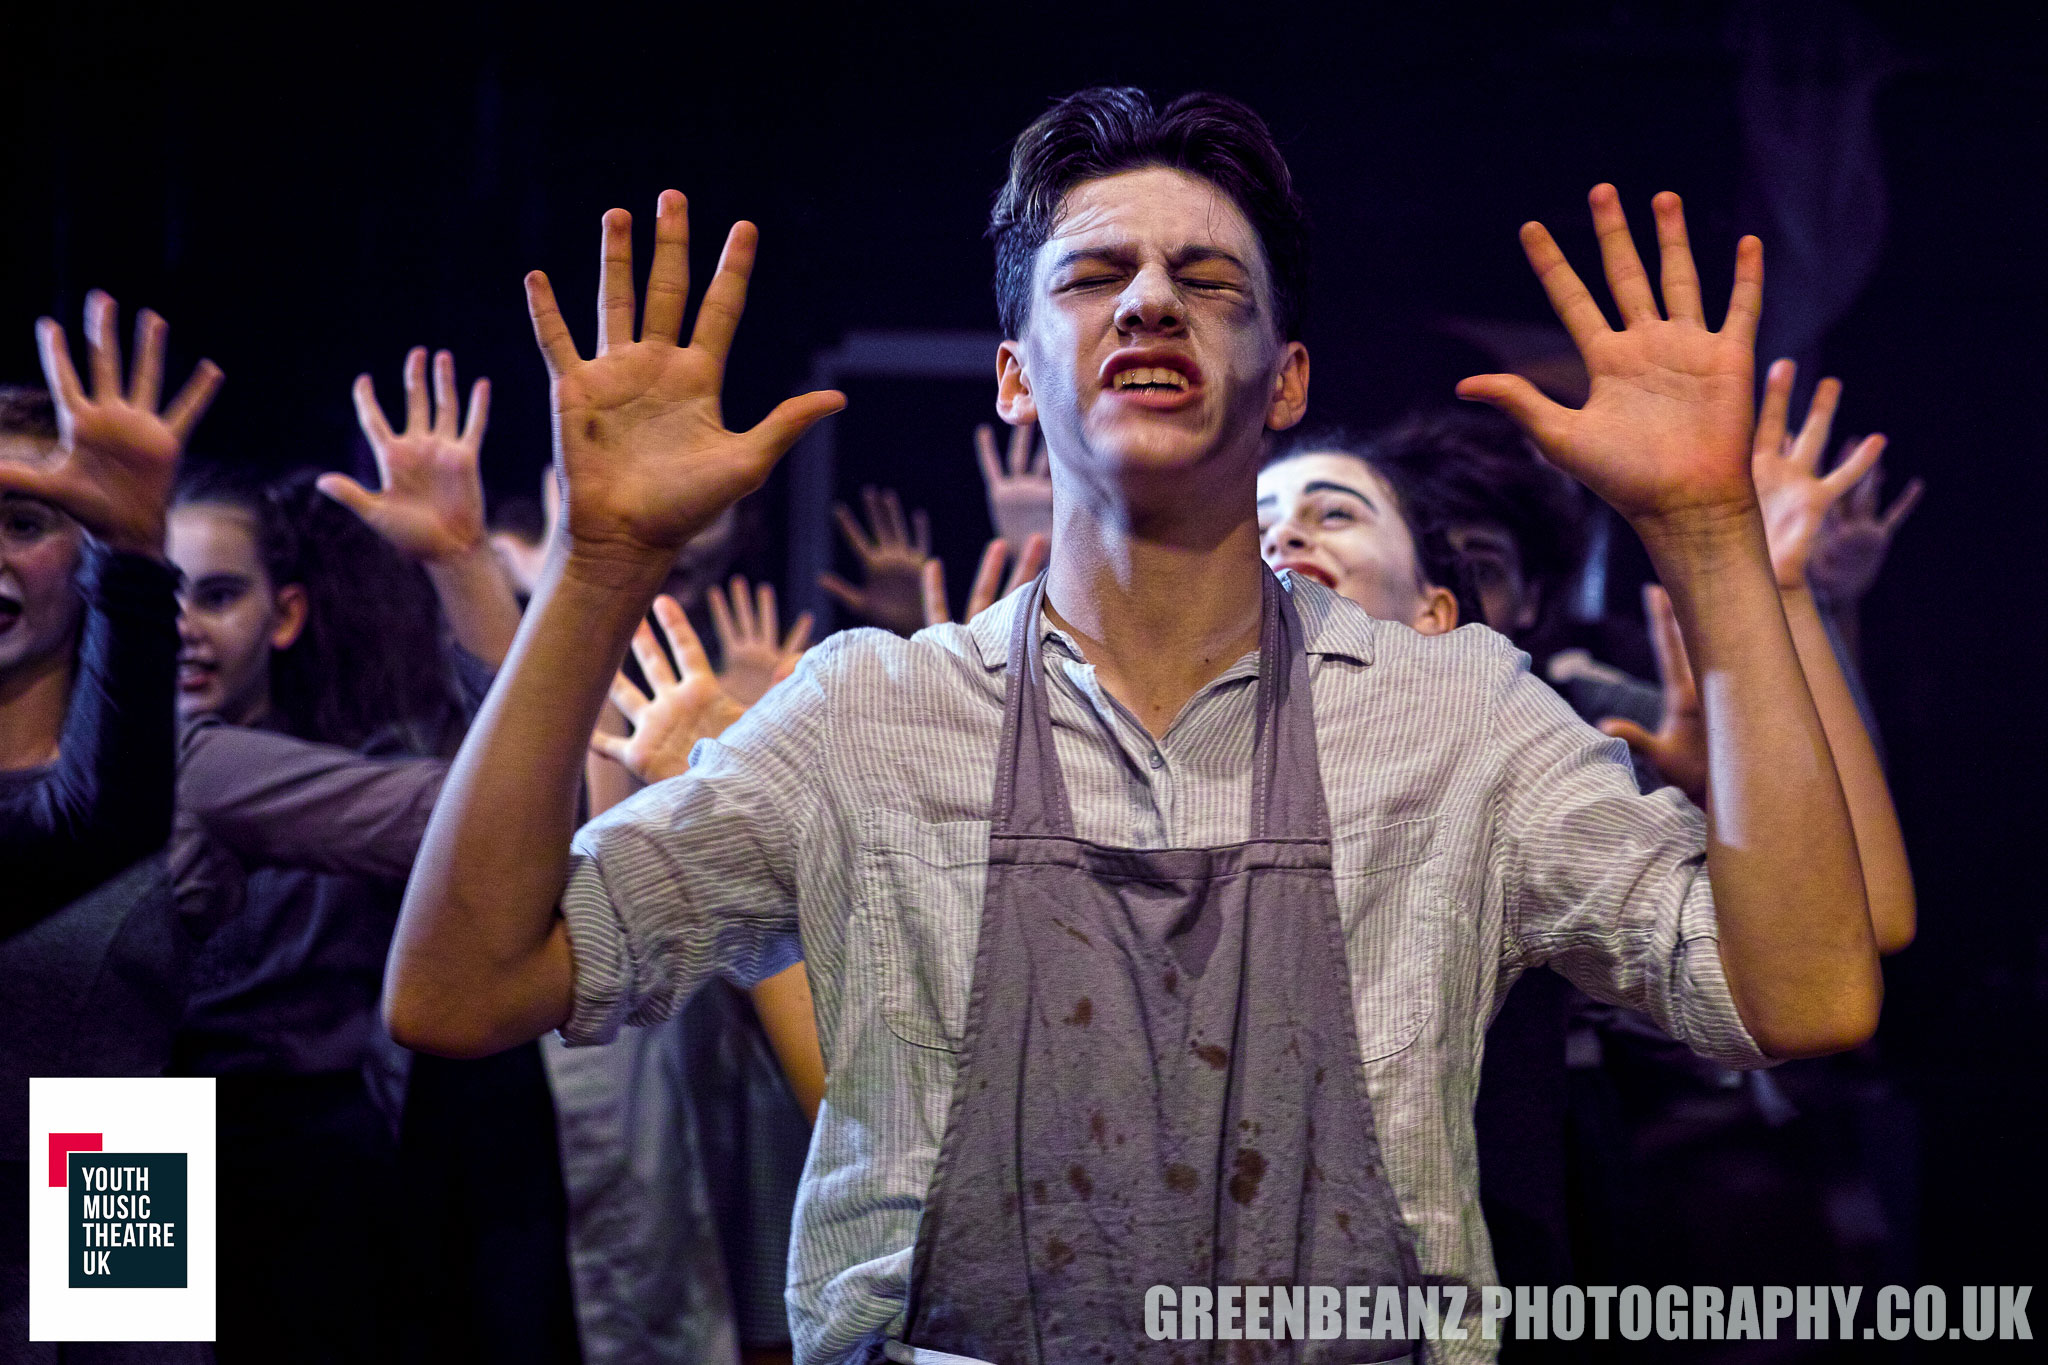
[[696, 877], [1604, 884]]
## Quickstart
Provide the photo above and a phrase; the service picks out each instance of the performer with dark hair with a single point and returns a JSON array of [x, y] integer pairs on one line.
[[1154, 916]]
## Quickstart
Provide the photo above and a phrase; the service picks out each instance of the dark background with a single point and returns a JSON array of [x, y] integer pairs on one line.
[[305, 198]]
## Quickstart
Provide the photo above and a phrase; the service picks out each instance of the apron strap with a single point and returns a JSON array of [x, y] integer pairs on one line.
[[1031, 795]]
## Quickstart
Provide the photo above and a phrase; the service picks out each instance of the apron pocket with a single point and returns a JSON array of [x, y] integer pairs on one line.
[[918, 921]]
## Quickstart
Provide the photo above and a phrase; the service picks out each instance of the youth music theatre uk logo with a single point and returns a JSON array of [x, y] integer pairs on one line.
[[121, 1232]]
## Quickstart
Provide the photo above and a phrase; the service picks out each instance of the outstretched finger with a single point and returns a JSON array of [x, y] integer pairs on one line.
[[447, 411], [369, 413], [1846, 475], [1626, 278], [681, 636], [765, 616], [985, 455], [613, 747], [58, 371], [792, 417], [721, 619], [1746, 299], [1522, 402], [921, 531], [1812, 441], [1638, 739], [1020, 448], [742, 609], [103, 346], [725, 298], [668, 276], [193, 400], [557, 347], [1902, 507], [348, 493], [146, 380], [1768, 442], [932, 579], [987, 575], [892, 506], [1674, 667], [414, 376], [654, 665], [479, 413], [1569, 297], [850, 527], [1030, 563], [615, 281], [1679, 275], [799, 637], [846, 594], [630, 700], [878, 517]]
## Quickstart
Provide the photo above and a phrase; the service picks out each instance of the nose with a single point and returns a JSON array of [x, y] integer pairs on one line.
[[1150, 304], [188, 631], [1286, 534]]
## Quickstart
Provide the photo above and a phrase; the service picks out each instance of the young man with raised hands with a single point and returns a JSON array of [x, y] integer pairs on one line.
[[1154, 916]]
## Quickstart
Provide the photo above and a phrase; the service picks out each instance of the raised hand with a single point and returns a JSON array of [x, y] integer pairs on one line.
[[685, 707], [1855, 537], [1679, 748], [892, 554], [1664, 435], [116, 453], [751, 659], [1794, 495], [1019, 498], [983, 594], [431, 505], [639, 432]]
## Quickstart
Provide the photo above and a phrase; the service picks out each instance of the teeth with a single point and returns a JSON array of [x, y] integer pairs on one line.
[[1157, 376]]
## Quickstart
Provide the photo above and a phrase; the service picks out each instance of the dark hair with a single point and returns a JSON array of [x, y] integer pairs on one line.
[[28, 412], [1471, 465], [1099, 132], [370, 665], [1436, 563]]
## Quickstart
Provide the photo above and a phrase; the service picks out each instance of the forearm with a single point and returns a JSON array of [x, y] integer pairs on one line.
[[1881, 849], [1795, 935], [783, 1003], [477, 601], [480, 959]]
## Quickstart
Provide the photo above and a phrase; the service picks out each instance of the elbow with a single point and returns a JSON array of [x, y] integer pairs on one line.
[[1895, 925], [1841, 1024], [425, 1022]]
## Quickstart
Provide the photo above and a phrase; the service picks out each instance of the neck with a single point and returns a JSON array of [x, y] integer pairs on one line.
[[33, 699], [1160, 599]]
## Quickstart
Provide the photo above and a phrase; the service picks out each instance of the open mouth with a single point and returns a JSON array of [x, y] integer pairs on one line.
[[1150, 377], [1318, 573], [10, 612], [194, 676], [1154, 377]]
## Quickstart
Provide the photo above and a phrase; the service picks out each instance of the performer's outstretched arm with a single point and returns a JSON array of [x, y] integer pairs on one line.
[[1664, 437], [481, 959]]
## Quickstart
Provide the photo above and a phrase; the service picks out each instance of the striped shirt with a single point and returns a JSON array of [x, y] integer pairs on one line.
[[1479, 828]]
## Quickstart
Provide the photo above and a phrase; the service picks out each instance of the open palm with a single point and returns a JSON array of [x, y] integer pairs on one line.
[[1665, 429], [639, 433], [684, 706], [1796, 497], [431, 505]]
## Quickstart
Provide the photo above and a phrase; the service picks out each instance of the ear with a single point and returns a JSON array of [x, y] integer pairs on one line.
[[1438, 614], [1290, 389], [1014, 403], [290, 616]]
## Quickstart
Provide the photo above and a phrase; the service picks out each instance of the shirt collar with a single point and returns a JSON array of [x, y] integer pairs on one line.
[[1335, 627]]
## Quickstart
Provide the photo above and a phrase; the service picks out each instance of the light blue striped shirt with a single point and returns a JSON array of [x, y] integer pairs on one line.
[[1480, 828]]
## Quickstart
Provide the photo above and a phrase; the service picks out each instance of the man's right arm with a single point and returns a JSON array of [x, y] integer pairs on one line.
[[481, 959]]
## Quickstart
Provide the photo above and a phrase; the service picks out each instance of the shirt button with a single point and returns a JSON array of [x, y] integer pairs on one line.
[[1158, 761]]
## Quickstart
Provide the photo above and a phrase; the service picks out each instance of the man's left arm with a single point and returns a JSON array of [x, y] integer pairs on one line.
[[1664, 438]]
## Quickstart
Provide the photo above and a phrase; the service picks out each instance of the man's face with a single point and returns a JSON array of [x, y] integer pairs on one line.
[[1509, 600], [229, 615], [39, 602], [1151, 346]]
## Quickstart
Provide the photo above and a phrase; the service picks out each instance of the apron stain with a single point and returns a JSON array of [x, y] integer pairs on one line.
[[1180, 1177], [1216, 1055], [1171, 981], [1077, 1176], [1058, 1255], [1075, 932], [1245, 1175], [1084, 1013]]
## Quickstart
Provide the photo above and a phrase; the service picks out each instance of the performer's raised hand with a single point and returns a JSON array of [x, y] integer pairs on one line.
[[1795, 496], [751, 658], [431, 503], [1855, 537], [892, 552], [984, 591], [1665, 432], [1019, 496], [640, 435], [1679, 747], [116, 452], [684, 708]]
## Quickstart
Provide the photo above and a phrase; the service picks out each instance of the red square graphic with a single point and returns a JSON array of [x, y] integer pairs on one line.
[[61, 1145]]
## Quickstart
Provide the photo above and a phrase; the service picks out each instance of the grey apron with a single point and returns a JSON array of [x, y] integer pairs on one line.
[[1160, 1080]]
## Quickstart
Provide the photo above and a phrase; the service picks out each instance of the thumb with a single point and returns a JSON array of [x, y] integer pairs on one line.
[[932, 579], [848, 595], [348, 493], [1516, 397], [792, 417], [1628, 732]]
